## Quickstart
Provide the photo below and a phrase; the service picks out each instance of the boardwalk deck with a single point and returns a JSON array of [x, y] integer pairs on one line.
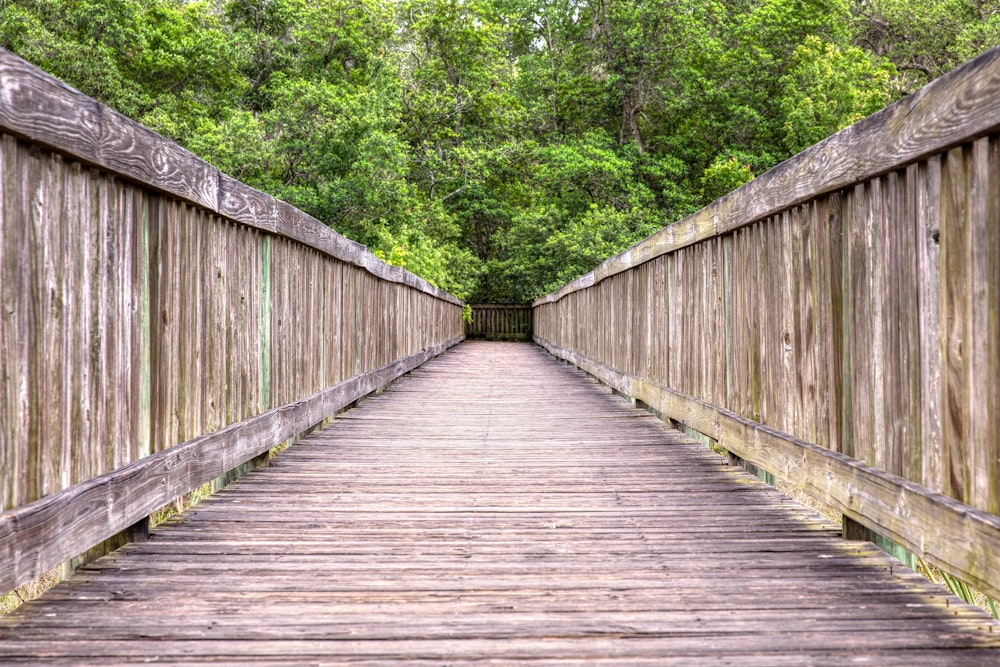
[[497, 507]]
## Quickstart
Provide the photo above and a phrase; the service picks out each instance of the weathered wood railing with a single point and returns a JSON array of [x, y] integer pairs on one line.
[[161, 323], [500, 321], [835, 321]]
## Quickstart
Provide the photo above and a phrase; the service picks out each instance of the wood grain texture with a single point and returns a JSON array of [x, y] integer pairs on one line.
[[983, 318], [50, 114], [70, 332], [496, 506], [141, 307], [133, 322], [954, 536], [40, 535]]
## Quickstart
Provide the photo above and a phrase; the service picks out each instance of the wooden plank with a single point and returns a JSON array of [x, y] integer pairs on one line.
[[279, 326], [745, 398], [248, 206], [983, 313], [789, 398], [875, 440], [959, 538], [769, 320], [901, 326], [811, 400], [49, 113], [827, 327], [955, 335], [88, 219], [927, 186], [70, 370], [837, 336], [30, 457], [97, 300], [42, 534], [44, 381], [860, 299], [138, 328], [266, 302], [468, 515], [219, 316]]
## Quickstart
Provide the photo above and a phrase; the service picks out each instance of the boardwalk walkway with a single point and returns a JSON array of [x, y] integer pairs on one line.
[[497, 507]]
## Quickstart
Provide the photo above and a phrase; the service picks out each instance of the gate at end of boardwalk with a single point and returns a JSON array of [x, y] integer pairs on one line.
[[500, 321]]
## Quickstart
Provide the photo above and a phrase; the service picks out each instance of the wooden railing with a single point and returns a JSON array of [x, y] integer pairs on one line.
[[835, 322], [495, 321], [161, 323]]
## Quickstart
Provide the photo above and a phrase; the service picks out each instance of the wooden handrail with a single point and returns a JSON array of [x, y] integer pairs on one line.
[[954, 109], [162, 323], [836, 322], [47, 113]]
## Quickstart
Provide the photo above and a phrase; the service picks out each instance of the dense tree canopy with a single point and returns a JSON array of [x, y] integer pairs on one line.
[[497, 147]]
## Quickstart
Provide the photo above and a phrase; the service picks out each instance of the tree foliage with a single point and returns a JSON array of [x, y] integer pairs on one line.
[[497, 147]]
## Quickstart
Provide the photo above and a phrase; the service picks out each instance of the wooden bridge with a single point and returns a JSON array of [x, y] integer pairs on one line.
[[835, 323]]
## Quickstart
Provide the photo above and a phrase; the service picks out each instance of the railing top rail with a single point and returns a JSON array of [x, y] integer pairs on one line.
[[43, 110], [953, 109]]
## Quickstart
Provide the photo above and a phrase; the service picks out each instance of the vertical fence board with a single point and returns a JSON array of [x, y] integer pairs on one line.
[[8, 335], [46, 206], [890, 379], [983, 312], [769, 324], [833, 222], [811, 399], [70, 371], [15, 309], [954, 322], [502, 321], [789, 396]]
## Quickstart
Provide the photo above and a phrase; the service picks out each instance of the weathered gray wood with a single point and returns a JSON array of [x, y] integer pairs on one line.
[[496, 506], [926, 183], [141, 308], [875, 334], [960, 539], [500, 321], [40, 535], [954, 335], [48, 113], [983, 316]]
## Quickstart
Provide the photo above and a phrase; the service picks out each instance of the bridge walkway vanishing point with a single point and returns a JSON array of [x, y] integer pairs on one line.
[[497, 506]]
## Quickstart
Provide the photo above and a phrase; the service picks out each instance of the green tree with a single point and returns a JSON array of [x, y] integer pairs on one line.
[[149, 59], [827, 88], [497, 147], [924, 39], [580, 202]]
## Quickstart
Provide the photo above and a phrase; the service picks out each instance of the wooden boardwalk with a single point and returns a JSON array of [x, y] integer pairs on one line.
[[498, 507]]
